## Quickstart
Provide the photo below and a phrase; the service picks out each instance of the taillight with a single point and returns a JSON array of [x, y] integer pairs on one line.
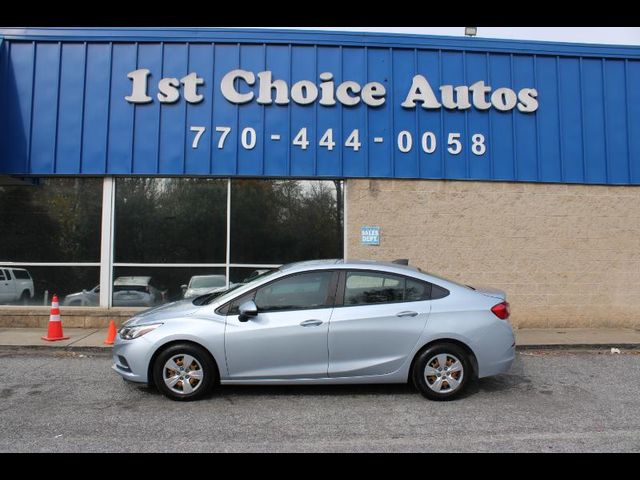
[[501, 310]]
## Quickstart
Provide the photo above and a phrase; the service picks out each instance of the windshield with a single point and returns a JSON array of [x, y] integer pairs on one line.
[[226, 295], [208, 281]]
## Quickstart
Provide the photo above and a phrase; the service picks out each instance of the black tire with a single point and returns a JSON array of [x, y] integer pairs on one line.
[[24, 298], [198, 387], [442, 390]]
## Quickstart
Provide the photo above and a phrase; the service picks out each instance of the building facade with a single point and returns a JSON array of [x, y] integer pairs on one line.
[[133, 161]]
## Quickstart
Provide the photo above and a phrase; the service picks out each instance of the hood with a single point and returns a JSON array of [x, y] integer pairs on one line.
[[492, 292], [168, 311]]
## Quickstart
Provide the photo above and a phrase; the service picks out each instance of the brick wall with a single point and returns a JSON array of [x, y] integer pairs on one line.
[[567, 255]]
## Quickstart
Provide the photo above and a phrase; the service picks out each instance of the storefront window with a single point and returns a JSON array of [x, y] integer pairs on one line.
[[280, 221], [170, 220], [35, 286], [170, 236], [51, 220], [151, 286]]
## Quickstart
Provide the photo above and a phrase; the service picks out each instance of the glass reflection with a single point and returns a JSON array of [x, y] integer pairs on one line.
[[281, 221], [170, 220]]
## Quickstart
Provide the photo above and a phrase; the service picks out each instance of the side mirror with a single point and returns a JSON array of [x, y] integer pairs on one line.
[[247, 310]]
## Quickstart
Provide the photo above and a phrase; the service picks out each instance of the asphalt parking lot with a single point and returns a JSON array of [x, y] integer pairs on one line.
[[551, 401]]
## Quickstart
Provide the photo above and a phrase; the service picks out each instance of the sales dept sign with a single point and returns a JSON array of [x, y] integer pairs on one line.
[[370, 235], [243, 87]]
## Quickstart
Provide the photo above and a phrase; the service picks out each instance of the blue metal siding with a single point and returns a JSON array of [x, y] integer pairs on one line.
[[64, 110]]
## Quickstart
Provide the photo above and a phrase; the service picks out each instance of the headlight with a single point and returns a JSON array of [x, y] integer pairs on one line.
[[129, 333]]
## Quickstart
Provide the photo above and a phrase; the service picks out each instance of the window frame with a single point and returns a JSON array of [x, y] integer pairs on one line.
[[330, 299], [342, 283]]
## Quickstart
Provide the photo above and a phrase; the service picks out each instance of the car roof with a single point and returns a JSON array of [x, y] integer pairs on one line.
[[342, 263]]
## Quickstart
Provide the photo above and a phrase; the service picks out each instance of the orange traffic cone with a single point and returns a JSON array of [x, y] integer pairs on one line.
[[55, 324], [111, 336]]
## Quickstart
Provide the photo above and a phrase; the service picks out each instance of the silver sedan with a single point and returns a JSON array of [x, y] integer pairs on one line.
[[323, 322]]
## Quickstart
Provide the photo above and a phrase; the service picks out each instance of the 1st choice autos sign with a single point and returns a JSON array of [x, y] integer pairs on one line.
[[239, 87]]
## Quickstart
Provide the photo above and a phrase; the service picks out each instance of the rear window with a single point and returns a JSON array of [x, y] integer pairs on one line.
[[207, 282], [21, 274]]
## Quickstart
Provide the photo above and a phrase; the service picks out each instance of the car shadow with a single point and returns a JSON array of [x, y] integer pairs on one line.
[[314, 390], [228, 391], [504, 382]]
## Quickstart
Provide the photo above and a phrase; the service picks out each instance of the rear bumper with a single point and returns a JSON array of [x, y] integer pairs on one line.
[[500, 365], [496, 351]]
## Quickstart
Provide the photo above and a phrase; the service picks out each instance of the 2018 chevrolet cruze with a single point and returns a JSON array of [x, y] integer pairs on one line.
[[323, 322]]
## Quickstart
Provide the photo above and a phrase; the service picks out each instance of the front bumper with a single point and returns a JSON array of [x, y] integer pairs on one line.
[[131, 359]]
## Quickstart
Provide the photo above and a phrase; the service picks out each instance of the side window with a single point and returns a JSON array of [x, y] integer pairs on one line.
[[438, 292], [234, 306], [416, 290], [2, 274], [297, 292], [21, 275], [363, 288]]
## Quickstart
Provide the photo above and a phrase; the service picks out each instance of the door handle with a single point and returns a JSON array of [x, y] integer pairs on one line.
[[311, 323], [406, 314]]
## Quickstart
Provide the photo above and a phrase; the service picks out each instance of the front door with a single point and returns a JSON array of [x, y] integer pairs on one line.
[[288, 337]]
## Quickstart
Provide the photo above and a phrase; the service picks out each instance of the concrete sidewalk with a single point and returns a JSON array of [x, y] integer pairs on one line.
[[526, 338]]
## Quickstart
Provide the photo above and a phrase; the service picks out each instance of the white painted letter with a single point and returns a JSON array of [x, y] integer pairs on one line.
[[504, 99], [139, 86], [462, 97], [168, 90], [373, 94], [304, 92], [421, 91], [528, 102], [342, 93], [267, 85], [228, 90], [191, 83], [479, 99], [326, 87]]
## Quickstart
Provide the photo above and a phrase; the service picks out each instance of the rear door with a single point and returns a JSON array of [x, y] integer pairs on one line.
[[376, 323]]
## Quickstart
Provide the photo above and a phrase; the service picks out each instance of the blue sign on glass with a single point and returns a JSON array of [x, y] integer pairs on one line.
[[370, 235]]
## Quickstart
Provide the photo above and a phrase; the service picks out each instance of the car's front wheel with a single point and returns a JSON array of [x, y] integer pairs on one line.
[[184, 372], [442, 371]]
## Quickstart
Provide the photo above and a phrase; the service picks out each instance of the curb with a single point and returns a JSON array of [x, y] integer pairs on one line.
[[579, 346], [50, 349]]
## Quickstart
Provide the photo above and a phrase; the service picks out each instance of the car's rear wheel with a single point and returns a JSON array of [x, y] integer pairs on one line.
[[442, 371], [184, 372]]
